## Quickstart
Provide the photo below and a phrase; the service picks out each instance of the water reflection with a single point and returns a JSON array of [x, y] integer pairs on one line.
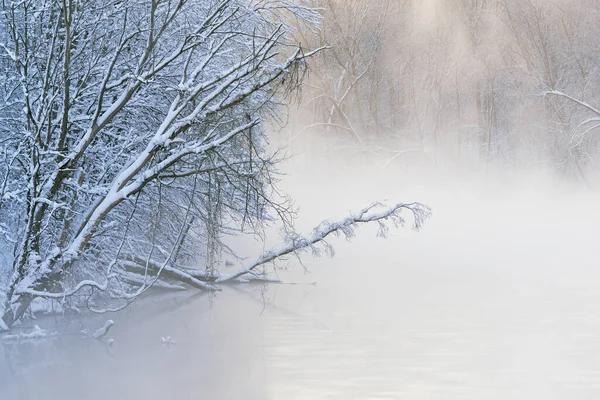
[[214, 356], [497, 311]]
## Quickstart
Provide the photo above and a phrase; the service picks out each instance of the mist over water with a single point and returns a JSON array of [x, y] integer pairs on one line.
[[483, 110], [495, 298]]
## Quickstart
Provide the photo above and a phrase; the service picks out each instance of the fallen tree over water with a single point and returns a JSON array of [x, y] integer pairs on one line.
[[145, 274], [316, 242]]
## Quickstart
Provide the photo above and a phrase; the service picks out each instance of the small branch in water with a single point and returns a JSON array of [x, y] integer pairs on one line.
[[103, 331]]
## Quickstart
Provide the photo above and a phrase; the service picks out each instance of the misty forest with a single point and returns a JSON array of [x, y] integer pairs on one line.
[[175, 168]]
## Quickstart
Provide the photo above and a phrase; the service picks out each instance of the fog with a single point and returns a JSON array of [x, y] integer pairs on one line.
[[495, 298], [473, 81], [127, 193]]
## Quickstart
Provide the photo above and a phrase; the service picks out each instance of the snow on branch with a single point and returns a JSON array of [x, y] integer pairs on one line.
[[583, 127], [376, 212], [23, 289], [103, 330], [170, 272], [573, 99]]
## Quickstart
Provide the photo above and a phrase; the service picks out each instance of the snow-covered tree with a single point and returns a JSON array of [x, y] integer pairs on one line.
[[133, 137]]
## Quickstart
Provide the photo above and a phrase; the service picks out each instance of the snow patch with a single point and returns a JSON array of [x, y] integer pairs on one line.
[[10, 338], [46, 307], [3, 326], [167, 341], [36, 333]]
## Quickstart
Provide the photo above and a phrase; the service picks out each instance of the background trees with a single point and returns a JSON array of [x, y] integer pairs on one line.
[[458, 82]]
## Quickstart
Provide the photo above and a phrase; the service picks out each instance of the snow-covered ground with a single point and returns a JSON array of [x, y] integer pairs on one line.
[[497, 298]]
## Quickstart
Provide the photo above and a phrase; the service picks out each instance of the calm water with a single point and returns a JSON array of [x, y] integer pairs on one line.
[[500, 304]]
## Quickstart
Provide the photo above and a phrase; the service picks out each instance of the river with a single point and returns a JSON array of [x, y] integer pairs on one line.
[[497, 298]]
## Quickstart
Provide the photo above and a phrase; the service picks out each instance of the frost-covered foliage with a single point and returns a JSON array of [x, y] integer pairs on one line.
[[132, 137]]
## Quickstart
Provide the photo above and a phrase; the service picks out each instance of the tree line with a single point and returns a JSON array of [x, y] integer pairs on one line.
[[465, 81]]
